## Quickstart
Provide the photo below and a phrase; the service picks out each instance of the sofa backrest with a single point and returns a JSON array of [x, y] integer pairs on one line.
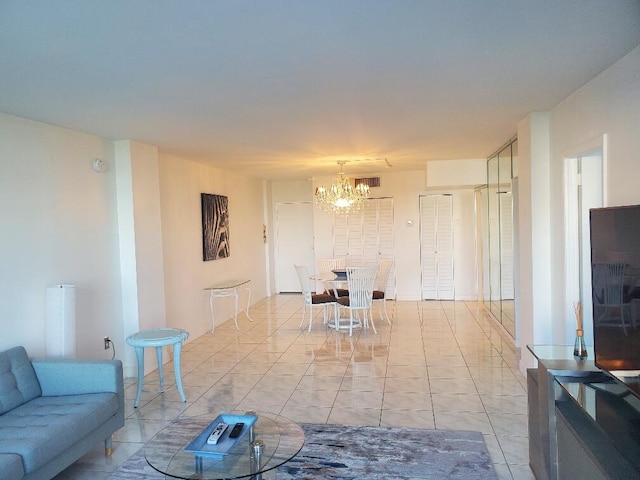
[[18, 381]]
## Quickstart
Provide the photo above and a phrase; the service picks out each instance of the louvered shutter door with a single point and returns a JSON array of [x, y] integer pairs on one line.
[[436, 247], [354, 227], [367, 236], [385, 240], [445, 247], [506, 245], [370, 233], [340, 236], [428, 247]]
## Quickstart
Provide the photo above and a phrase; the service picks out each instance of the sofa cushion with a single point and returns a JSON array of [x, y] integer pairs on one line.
[[18, 381], [46, 426], [11, 466]]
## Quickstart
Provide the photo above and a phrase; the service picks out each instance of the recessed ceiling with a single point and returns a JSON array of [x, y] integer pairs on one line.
[[284, 89]]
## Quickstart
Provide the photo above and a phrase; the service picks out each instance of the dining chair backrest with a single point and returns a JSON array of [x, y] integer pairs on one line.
[[305, 282], [361, 281], [382, 279], [329, 264]]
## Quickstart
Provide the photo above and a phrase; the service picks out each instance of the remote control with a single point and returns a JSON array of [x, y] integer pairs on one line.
[[237, 428], [217, 433]]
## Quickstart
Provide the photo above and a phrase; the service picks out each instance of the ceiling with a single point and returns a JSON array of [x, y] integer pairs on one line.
[[284, 89]]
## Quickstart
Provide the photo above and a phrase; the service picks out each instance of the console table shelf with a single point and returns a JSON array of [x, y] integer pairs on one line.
[[582, 424], [604, 421]]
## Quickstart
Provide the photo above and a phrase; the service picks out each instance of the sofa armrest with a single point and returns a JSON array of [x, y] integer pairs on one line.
[[73, 377]]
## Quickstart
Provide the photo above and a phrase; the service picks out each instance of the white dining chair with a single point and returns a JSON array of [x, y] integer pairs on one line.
[[311, 299], [329, 265], [380, 288], [360, 281]]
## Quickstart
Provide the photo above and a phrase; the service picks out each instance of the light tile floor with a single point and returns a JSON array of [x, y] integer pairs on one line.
[[440, 365]]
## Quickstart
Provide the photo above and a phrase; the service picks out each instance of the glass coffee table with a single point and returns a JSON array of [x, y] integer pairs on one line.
[[272, 441]]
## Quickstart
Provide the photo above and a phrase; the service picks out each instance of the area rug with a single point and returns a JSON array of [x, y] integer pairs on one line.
[[344, 452]]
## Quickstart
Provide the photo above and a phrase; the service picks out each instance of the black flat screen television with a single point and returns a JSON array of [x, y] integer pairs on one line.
[[615, 280]]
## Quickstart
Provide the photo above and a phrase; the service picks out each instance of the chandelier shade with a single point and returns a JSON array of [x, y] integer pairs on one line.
[[341, 197]]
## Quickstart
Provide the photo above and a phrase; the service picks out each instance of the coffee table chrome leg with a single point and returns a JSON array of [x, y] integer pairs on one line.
[[199, 468], [257, 447]]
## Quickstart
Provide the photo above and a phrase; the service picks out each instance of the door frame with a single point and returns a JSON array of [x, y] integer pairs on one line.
[[572, 210]]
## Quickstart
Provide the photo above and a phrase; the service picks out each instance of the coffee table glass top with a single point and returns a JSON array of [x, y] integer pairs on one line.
[[282, 439]]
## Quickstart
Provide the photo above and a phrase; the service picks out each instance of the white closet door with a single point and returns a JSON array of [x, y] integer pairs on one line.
[[354, 232], [385, 227], [506, 245], [436, 247], [340, 236], [370, 233], [367, 235], [385, 241]]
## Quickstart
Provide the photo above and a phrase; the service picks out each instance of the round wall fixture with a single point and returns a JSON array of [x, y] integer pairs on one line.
[[99, 165]]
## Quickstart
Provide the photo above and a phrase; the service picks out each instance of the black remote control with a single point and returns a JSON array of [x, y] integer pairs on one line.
[[237, 428]]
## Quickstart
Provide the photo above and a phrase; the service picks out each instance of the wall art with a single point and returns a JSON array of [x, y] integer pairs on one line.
[[215, 226]]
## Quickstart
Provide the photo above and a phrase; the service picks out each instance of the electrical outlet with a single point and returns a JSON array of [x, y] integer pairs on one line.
[[107, 343]]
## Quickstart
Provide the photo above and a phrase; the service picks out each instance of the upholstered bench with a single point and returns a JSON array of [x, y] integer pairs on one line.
[[54, 411]]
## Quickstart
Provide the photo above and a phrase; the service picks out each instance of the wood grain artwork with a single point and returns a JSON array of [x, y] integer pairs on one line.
[[215, 226]]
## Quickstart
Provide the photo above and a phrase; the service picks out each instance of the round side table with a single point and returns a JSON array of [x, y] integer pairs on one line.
[[158, 338]]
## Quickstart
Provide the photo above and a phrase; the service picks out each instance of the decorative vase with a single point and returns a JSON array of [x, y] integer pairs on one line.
[[579, 348]]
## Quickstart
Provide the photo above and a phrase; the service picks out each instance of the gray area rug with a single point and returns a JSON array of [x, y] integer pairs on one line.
[[344, 452]]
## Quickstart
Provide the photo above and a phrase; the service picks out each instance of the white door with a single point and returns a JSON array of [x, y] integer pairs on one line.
[[436, 247], [294, 243]]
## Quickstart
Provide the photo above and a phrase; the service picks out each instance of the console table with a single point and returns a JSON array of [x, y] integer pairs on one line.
[[582, 424], [229, 288], [597, 430]]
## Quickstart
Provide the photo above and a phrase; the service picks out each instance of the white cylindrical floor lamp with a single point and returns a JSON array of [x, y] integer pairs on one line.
[[60, 321]]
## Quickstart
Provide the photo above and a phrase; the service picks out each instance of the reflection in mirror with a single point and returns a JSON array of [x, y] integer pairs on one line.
[[498, 265]]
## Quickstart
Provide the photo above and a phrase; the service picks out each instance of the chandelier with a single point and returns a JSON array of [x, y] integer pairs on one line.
[[341, 197]]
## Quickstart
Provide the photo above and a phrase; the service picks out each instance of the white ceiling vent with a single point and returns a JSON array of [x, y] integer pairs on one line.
[[371, 181]]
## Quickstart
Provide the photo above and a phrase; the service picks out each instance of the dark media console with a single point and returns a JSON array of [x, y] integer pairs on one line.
[[582, 424]]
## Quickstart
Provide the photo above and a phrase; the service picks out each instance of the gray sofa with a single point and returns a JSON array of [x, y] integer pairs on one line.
[[54, 411]]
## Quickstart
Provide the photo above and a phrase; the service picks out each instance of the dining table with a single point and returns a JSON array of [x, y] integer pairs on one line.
[[330, 281]]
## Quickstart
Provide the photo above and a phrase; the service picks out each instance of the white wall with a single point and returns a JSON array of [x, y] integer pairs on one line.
[[446, 173], [186, 274], [59, 225], [609, 104]]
